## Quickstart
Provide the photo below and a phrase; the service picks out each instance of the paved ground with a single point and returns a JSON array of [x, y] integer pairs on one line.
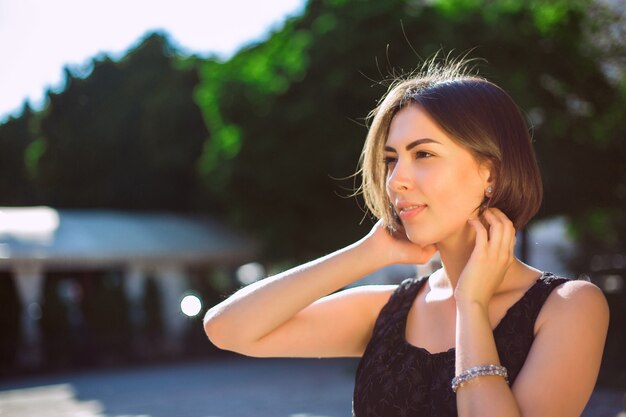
[[228, 387]]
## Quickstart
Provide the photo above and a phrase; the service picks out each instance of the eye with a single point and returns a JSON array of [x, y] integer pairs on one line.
[[388, 160], [422, 154]]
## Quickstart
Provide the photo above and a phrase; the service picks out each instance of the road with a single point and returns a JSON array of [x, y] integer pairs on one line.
[[229, 386]]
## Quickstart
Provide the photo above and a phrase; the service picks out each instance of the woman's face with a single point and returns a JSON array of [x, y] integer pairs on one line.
[[434, 184]]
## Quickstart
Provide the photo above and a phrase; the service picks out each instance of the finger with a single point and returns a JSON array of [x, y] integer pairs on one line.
[[509, 236], [495, 230], [508, 229], [501, 216], [481, 233], [512, 247], [504, 219], [506, 249]]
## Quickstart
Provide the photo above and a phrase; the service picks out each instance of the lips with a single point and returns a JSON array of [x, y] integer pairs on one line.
[[407, 210]]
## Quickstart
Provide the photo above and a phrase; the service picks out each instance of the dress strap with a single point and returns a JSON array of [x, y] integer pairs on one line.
[[407, 291], [515, 333], [388, 326], [541, 291]]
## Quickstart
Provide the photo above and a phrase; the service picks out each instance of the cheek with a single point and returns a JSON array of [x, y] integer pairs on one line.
[[469, 195], [456, 192]]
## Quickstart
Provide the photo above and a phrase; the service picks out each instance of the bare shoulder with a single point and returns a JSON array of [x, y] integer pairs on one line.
[[573, 299], [372, 297], [577, 294], [566, 352], [374, 290]]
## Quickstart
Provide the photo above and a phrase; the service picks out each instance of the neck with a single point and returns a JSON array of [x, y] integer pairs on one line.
[[455, 252]]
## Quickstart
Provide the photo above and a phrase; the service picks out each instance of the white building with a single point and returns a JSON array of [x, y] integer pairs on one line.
[[34, 240]]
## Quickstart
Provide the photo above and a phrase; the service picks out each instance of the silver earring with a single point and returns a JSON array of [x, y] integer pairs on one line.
[[489, 190]]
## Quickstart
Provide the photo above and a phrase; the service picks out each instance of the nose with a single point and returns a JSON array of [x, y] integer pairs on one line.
[[399, 178]]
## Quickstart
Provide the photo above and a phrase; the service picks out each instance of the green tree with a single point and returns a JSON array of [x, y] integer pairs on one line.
[[126, 136], [287, 113], [16, 155]]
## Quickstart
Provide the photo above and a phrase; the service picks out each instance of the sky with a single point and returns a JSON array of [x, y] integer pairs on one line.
[[39, 37]]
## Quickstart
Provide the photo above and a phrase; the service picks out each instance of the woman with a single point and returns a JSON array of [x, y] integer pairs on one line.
[[447, 166]]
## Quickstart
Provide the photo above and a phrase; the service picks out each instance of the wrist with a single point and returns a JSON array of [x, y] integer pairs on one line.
[[370, 253], [470, 306]]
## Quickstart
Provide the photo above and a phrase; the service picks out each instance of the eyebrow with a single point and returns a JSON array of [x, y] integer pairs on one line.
[[413, 144]]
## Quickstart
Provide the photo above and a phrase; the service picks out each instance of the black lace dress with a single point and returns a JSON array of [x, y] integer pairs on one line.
[[397, 379]]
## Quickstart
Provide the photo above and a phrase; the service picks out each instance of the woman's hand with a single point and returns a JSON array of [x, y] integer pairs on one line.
[[396, 248], [489, 261]]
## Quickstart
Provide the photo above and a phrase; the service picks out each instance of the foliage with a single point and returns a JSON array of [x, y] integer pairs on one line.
[[281, 137], [16, 134], [127, 136], [277, 129]]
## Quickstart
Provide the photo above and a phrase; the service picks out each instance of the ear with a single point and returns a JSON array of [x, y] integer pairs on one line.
[[487, 173]]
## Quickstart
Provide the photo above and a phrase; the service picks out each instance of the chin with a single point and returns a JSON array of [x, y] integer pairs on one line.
[[421, 239]]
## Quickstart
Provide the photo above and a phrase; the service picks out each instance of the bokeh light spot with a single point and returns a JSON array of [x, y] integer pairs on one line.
[[191, 305]]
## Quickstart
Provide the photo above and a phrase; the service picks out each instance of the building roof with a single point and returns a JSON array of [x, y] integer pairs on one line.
[[105, 237]]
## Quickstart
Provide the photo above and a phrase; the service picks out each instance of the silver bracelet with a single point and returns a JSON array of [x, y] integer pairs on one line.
[[476, 371]]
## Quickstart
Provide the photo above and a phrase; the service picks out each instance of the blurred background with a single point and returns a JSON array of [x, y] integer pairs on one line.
[[192, 148]]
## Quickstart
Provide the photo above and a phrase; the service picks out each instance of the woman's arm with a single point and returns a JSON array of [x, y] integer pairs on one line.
[[283, 315], [483, 396], [562, 366]]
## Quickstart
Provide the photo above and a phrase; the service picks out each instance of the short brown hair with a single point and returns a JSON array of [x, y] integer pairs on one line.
[[477, 115]]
